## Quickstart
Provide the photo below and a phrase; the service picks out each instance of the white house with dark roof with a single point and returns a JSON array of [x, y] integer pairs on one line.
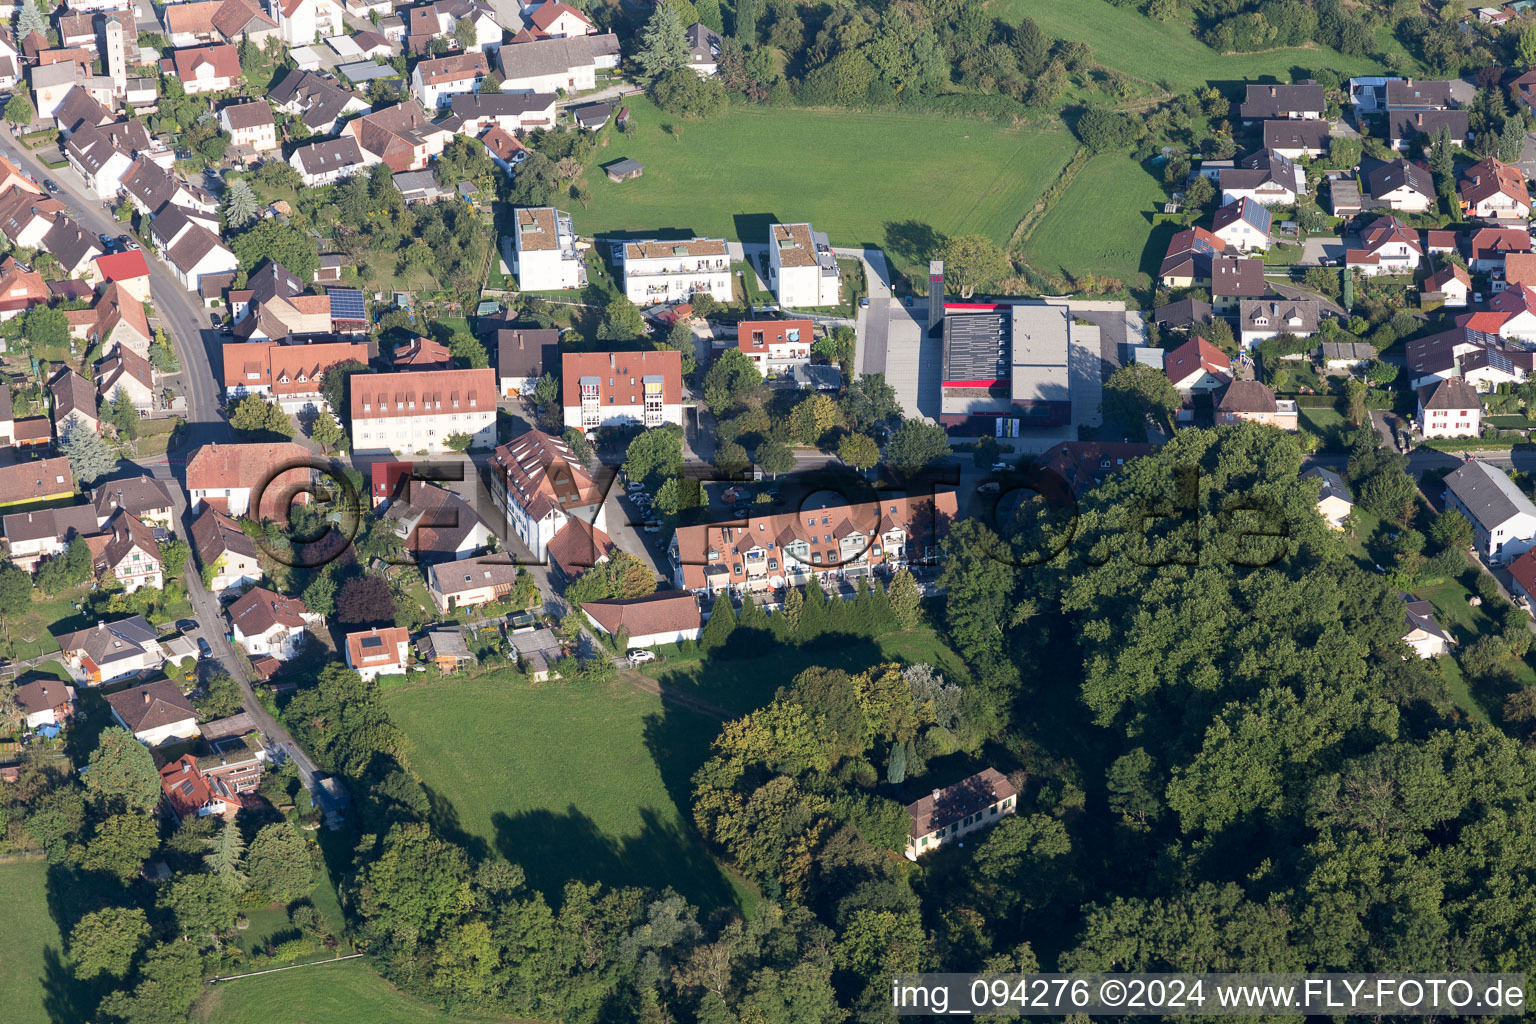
[[1450, 408], [1334, 500], [1503, 518], [1243, 225], [1259, 319], [1265, 177], [264, 622]]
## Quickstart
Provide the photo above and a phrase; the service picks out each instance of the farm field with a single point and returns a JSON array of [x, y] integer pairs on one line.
[[1167, 52], [855, 176], [28, 942], [339, 993], [1116, 195], [579, 781]]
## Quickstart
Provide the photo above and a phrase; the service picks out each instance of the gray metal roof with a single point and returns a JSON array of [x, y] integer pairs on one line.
[[1488, 494]]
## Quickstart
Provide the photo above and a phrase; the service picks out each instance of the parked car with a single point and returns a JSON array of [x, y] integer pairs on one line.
[[186, 625], [990, 487], [204, 648], [50, 185], [633, 486], [864, 302], [640, 656], [1001, 467]]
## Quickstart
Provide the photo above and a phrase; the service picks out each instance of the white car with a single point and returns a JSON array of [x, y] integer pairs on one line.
[[640, 657]]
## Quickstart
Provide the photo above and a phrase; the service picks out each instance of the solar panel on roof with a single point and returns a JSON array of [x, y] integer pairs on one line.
[[346, 304], [372, 641]]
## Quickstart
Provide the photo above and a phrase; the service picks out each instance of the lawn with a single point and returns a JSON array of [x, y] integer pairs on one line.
[[334, 993], [579, 781], [1467, 624], [1328, 425], [743, 682], [1102, 224], [32, 945], [891, 179], [1167, 53]]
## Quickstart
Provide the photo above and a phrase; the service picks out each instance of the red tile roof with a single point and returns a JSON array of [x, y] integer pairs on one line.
[[422, 393], [123, 266], [661, 612], [619, 375], [1195, 354]]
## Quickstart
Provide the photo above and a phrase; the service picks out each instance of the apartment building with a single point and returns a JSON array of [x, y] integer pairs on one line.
[[785, 549], [542, 489], [775, 345], [657, 271], [417, 412], [290, 375], [610, 389], [229, 477], [544, 253], [802, 271]]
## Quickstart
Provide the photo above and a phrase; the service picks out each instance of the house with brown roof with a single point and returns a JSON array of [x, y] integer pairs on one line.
[[946, 816], [1495, 191], [612, 389], [116, 319], [126, 551], [1405, 127], [471, 582], [156, 713], [264, 622], [542, 488], [775, 346], [421, 354], [1233, 280], [45, 702], [41, 480], [665, 617], [435, 82], [434, 524], [250, 125], [327, 161], [1387, 246], [26, 217], [228, 476], [1265, 177], [190, 793], [1187, 262], [224, 551], [1296, 139], [129, 374], [319, 102], [109, 652], [403, 136], [290, 375], [1197, 365], [1302, 101], [21, 289], [153, 190], [191, 24], [378, 652], [826, 539], [1450, 284], [577, 547], [418, 412], [74, 398], [143, 496], [214, 68], [1085, 465], [523, 355], [1401, 185], [1450, 408], [1253, 402], [72, 245], [239, 20], [33, 537], [1488, 248]]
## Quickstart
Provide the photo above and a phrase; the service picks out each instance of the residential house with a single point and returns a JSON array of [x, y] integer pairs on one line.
[[471, 582], [657, 272], [1084, 465], [1347, 356], [142, 496], [228, 476], [156, 713], [403, 136], [378, 652], [1197, 365], [436, 525], [420, 411], [1450, 408], [1421, 631], [947, 816], [1334, 500], [830, 539], [539, 653], [1296, 139], [1269, 318], [188, 792], [427, 22], [74, 399], [274, 306], [154, 191], [328, 161], [1387, 246], [1401, 185], [434, 82], [602, 389], [775, 346], [523, 355], [1302, 101], [110, 652], [544, 253], [1251, 401], [267, 623], [1243, 225], [512, 112], [1438, 356], [550, 65], [552, 20], [418, 187], [1451, 284], [116, 320], [578, 547], [1488, 248], [319, 102], [51, 83], [203, 69], [250, 125], [26, 217], [198, 254], [34, 537], [1233, 280], [301, 22], [72, 245], [1522, 573], [1187, 262], [665, 617], [1265, 177], [224, 551], [1418, 94], [1495, 191], [704, 46], [79, 109], [125, 372], [126, 551], [1520, 268], [288, 374], [45, 703], [21, 289], [1406, 127], [1503, 518], [502, 147], [542, 488], [445, 648], [1182, 315], [239, 20], [188, 24], [1489, 369], [128, 270], [802, 271], [421, 354], [1511, 314], [100, 163], [42, 480]]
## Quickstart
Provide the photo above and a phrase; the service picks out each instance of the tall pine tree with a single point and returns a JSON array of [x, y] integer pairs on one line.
[[721, 624], [746, 22]]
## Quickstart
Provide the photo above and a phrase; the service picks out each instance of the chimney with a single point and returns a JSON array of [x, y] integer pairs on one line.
[[1272, 91], [146, 696], [1421, 119], [186, 766], [936, 793], [101, 625], [935, 294]]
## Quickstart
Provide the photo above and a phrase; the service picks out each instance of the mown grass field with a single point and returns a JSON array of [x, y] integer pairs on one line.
[[1102, 224], [27, 941], [885, 178], [334, 993], [1164, 52], [571, 781]]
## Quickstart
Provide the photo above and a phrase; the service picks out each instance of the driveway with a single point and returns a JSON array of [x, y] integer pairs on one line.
[[1320, 247]]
